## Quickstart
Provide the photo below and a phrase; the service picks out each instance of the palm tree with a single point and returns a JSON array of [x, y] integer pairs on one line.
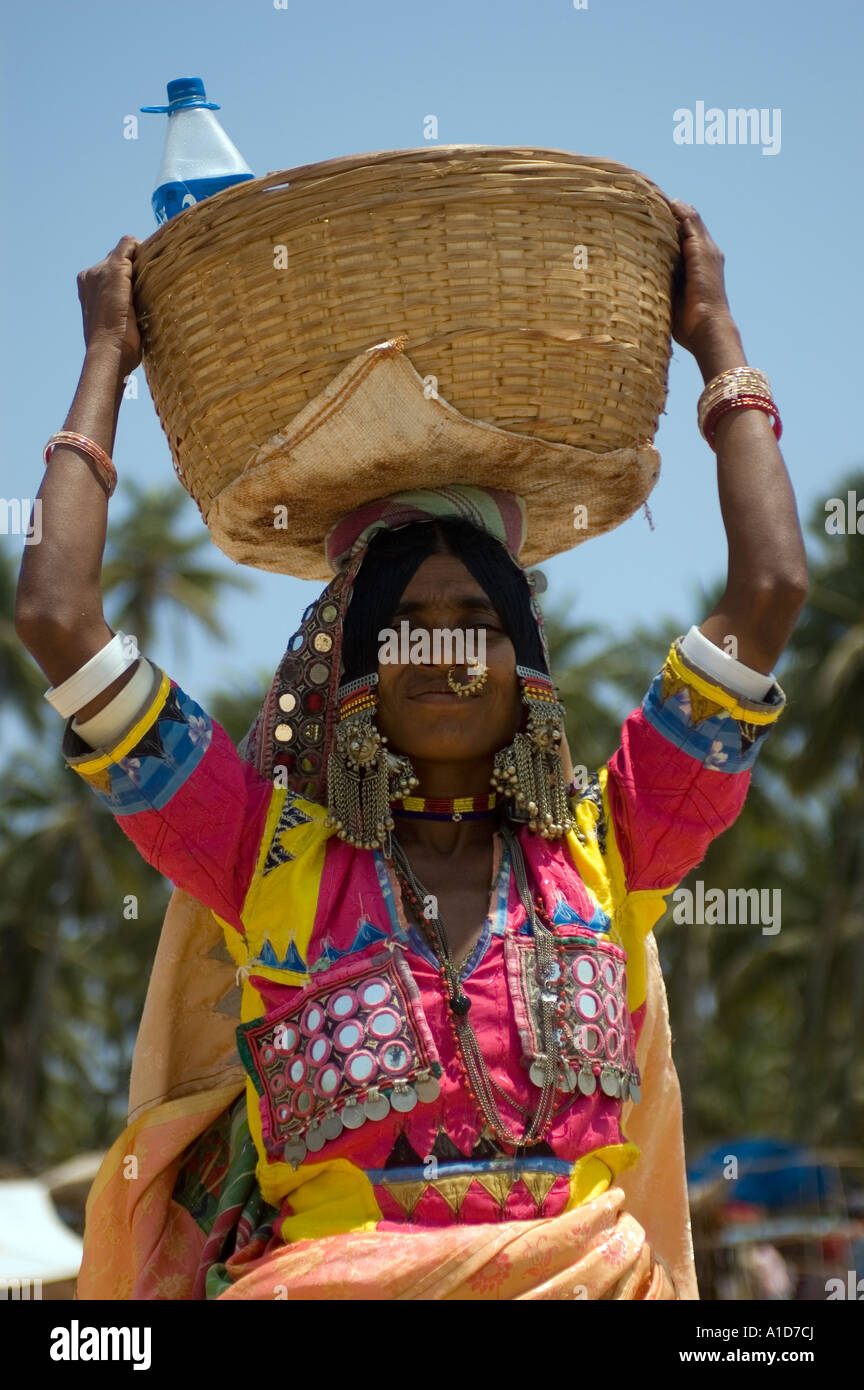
[[235, 709], [80, 910], [766, 1025], [20, 680], [825, 740], [729, 987], [584, 673], [829, 650], [151, 568], [74, 963]]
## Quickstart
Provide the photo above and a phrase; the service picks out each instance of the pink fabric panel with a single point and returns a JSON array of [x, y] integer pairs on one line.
[[477, 1208], [587, 1123], [206, 838], [666, 805]]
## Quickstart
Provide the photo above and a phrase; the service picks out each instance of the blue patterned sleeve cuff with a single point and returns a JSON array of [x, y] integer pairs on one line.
[[152, 760], [717, 727]]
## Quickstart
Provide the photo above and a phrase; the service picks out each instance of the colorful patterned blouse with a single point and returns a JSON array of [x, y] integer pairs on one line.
[[357, 1099]]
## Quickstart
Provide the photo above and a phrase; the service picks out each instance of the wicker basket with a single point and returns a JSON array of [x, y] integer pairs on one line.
[[468, 251]]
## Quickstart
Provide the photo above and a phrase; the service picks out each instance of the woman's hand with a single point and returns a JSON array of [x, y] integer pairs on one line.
[[766, 583], [105, 292], [699, 302]]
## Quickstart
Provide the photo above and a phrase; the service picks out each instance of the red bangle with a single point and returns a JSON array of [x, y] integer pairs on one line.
[[746, 402]]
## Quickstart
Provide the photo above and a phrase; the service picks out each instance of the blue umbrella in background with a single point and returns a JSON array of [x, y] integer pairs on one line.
[[771, 1173]]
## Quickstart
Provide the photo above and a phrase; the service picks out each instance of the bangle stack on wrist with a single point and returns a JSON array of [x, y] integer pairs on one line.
[[107, 471], [739, 388], [93, 677]]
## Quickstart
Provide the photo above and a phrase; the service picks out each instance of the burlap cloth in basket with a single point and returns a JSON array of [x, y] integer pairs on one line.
[[379, 427]]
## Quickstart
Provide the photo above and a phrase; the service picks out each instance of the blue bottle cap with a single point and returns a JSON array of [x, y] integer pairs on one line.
[[184, 92]]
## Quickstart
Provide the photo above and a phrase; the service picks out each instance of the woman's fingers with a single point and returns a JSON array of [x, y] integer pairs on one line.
[[699, 293], [105, 292]]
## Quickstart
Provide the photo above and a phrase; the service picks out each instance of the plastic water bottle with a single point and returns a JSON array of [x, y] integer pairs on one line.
[[198, 159]]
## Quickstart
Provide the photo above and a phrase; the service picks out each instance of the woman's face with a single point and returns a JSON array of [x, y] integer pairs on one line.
[[419, 714]]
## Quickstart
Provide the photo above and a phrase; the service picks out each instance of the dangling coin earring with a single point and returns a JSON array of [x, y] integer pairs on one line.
[[529, 769], [363, 776], [469, 687]]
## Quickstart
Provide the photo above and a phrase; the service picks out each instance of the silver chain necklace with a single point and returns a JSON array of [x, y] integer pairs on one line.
[[545, 965]]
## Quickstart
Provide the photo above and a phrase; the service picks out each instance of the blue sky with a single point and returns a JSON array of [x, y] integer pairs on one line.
[[314, 81]]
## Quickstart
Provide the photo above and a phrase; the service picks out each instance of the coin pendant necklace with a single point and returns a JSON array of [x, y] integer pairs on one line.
[[544, 1070]]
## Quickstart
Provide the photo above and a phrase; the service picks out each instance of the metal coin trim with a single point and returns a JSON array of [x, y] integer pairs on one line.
[[609, 1084], [587, 1081], [331, 1125], [537, 1073], [353, 1116], [569, 1080], [403, 1099], [315, 1139], [377, 1107], [294, 1152]]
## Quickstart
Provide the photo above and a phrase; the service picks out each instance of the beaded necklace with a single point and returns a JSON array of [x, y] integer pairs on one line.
[[445, 808], [545, 1070]]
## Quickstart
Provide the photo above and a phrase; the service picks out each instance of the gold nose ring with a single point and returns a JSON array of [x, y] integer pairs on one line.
[[470, 687]]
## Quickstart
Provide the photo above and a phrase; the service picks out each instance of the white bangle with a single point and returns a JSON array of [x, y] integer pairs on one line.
[[717, 663], [94, 676], [103, 730]]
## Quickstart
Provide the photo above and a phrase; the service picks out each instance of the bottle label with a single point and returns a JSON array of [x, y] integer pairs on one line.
[[171, 198]]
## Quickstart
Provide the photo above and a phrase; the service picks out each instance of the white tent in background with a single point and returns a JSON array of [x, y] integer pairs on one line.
[[34, 1243]]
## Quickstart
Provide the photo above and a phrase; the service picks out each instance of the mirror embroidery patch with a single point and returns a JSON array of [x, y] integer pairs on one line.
[[344, 1051], [597, 1039]]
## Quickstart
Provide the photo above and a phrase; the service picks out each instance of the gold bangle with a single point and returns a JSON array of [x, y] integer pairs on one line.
[[87, 446], [730, 385]]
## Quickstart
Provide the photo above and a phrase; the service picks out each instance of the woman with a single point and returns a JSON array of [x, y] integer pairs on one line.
[[440, 943]]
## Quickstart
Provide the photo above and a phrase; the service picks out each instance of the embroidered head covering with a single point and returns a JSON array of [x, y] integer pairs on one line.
[[294, 727], [500, 513]]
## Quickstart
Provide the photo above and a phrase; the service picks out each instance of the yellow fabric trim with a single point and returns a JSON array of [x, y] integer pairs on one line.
[[634, 914], [135, 734], [293, 978], [613, 860], [264, 910], [326, 1199], [274, 810], [234, 942], [593, 1173], [586, 855], [280, 909], [752, 712]]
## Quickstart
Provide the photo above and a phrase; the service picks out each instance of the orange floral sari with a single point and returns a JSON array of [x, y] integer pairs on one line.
[[596, 1251]]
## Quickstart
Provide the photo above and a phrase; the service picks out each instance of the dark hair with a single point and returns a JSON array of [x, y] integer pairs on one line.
[[393, 558]]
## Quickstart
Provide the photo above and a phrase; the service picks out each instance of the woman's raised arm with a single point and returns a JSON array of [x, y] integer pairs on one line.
[[766, 582], [58, 610]]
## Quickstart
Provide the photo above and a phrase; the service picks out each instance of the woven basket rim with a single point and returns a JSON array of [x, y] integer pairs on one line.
[[339, 164]]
